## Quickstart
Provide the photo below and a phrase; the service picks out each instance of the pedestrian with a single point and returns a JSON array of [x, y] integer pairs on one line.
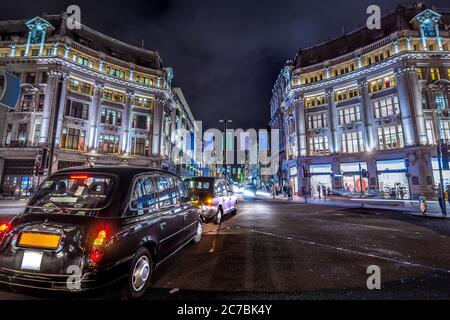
[[289, 192], [318, 190], [402, 193], [324, 191], [328, 191]]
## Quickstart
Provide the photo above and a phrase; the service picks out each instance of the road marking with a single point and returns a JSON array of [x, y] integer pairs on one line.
[[354, 252], [373, 227], [174, 290]]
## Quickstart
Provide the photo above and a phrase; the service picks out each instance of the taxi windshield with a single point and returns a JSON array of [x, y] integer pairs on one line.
[[74, 191]]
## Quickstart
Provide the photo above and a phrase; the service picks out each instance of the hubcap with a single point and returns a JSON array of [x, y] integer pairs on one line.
[[199, 230], [141, 273]]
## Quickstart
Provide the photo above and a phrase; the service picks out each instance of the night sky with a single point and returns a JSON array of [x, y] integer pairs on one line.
[[226, 55]]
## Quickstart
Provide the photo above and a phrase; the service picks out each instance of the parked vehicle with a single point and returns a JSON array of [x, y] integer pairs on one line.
[[102, 224], [214, 197]]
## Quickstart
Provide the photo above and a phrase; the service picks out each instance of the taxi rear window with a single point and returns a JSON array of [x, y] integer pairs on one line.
[[75, 191]]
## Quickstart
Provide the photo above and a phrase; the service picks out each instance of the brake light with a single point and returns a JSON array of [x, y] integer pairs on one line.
[[79, 177], [97, 246], [209, 201], [4, 228]]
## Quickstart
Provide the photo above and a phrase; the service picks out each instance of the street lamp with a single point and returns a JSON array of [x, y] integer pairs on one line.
[[225, 122]]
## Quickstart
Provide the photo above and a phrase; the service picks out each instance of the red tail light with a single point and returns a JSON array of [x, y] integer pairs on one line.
[[98, 245], [4, 228], [79, 177]]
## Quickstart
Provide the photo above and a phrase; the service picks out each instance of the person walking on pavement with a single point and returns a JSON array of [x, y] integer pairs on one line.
[[324, 192], [318, 190], [289, 192]]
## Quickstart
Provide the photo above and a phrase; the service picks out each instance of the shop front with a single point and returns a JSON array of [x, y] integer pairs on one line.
[[17, 177], [352, 179], [392, 179], [293, 180], [321, 178], [436, 176]]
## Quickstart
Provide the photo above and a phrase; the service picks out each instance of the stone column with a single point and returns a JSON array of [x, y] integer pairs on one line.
[[300, 125], [366, 112], [158, 113], [61, 108], [416, 103], [126, 127], [409, 128], [95, 115], [50, 89], [331, 121]]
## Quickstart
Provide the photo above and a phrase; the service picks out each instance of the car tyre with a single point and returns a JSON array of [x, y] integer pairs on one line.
[[235, 210], [218, 217], [199, 232], [140, 275]]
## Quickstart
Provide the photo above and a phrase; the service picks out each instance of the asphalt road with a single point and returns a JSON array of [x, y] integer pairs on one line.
[[279, 250]]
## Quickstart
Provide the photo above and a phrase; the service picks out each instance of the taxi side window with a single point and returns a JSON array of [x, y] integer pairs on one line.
[[143, 196], [182, 191], [167, 193]]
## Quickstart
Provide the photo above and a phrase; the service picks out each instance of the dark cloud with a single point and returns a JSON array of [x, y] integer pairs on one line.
[[226, 54]]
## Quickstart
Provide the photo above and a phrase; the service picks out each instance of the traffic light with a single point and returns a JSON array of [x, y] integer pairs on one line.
[[444, 154], [44, 158]]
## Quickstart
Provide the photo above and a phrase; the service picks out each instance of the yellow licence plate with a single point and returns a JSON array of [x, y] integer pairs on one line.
[[39, 240]]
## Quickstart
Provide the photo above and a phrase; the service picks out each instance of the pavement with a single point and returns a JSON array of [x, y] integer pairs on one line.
[[402, 206], [288, 250]]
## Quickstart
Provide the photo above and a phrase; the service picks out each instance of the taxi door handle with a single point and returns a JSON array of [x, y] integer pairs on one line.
[[163, 225]]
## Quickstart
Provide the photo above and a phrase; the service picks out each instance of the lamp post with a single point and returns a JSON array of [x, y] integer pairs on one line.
[[225, 122]]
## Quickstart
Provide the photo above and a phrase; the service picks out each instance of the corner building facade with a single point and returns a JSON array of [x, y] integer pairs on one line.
[[371, 100], [102, 100]]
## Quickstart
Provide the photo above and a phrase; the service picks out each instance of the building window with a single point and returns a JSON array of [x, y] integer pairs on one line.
[[112, 95], [318, 120], [419, 71], [73, 139], [435, 74], [349, 115], [386, 107], [347, 94], [390, 137], [318, 145], [430, 132], [382, 83], [119, 73], [8, 138], [30, 77], [111, 116], [315, 101], [140, 147], [143, 102], [144, 80], [83, 61], [141, 122], [352, 142], [441, 101], [22, 133], [79, 86], [76, 109], [108, 143], [445, 130], [26, 103], [37, 133], [40, 103]]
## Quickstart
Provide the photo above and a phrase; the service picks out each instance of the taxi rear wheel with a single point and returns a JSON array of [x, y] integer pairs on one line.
[[139, 277]]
